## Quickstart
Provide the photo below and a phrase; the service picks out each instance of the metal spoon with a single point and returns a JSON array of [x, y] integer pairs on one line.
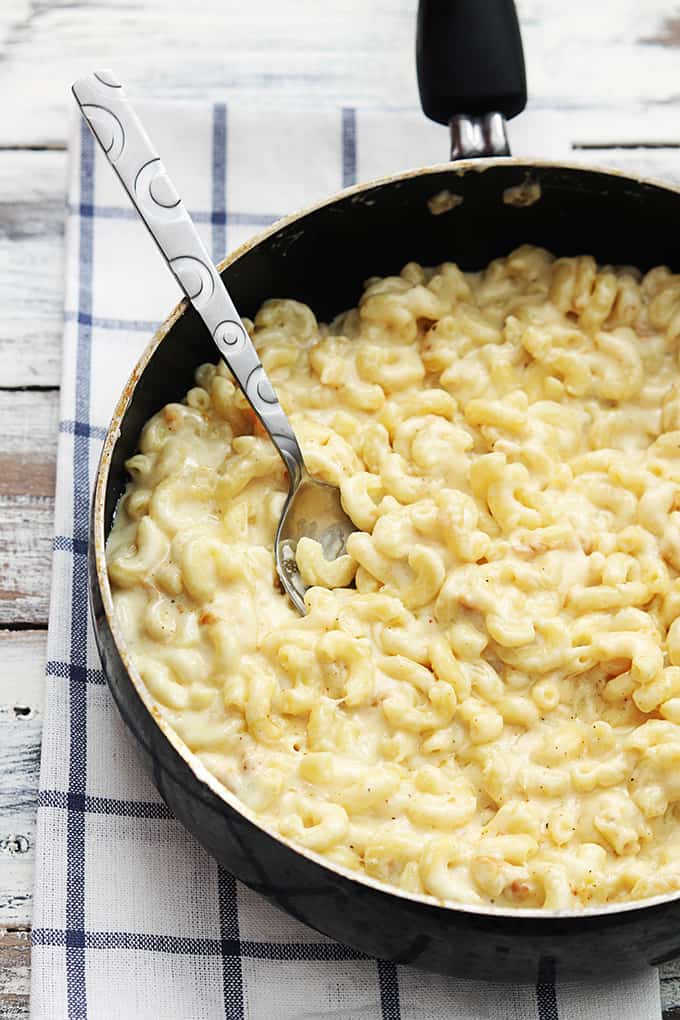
[[312, 507]]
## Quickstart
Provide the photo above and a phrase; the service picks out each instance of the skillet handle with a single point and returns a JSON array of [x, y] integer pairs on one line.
[[471, 71]]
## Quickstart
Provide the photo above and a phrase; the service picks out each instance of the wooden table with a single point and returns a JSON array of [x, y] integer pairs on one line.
[[610, 72]]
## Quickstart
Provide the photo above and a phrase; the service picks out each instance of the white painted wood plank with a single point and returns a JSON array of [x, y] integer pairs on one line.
[[15, 956], [32, 189], [25, 559], [28, 442], [13, 13], [20, 753], [669, 1008], [545, 131], [22, 655], [612, 55], [662, 165], [22, 662], [302, 53], [348, 51]]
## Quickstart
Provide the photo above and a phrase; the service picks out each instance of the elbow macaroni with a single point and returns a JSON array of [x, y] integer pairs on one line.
[[482, 702]]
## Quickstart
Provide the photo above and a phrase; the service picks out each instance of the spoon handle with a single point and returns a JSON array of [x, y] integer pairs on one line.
[[130, 152]]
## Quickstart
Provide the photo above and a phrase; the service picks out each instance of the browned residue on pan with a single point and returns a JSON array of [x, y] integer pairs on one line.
[[443, 202], [523, 195]]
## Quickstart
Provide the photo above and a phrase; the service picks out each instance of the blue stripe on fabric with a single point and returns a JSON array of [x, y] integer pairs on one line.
[[64, 543], [104, 805], [114, 212], [321, 952], [349, 147], [82, 429], [76, 674], [88, 211], [248, 219], [232, 974], [389, 990], [219, 182], [546, 995], [76, 990], [133, 325]]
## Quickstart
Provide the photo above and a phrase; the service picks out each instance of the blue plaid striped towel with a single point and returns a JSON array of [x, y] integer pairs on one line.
[[132, 920]]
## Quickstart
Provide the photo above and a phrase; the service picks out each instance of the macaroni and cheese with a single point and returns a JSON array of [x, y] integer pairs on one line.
[[482, 702]]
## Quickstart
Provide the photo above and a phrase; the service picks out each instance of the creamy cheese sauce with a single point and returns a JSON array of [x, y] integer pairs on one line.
[[483, 700]]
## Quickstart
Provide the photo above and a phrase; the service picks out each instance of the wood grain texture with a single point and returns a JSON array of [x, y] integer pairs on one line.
[[22, 655], [21, 705], [28, 445], [668, 33], [670, 989], [15, 971], [579, 55], [32, 187]]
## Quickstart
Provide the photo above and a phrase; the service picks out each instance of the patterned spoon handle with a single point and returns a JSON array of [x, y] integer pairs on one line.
[[129, 150]]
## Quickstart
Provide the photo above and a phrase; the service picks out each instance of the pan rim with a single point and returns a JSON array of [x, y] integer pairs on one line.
[[199, 771]]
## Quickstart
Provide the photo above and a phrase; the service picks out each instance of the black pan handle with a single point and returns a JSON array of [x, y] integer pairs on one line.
[[471, 66]]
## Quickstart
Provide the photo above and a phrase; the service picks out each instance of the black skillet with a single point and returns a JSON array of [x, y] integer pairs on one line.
[[471, 75]]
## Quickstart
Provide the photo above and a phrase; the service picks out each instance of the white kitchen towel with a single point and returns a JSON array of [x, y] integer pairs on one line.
[[133, 921]]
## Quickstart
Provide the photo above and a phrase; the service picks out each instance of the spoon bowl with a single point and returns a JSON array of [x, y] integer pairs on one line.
[[312, 510]]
